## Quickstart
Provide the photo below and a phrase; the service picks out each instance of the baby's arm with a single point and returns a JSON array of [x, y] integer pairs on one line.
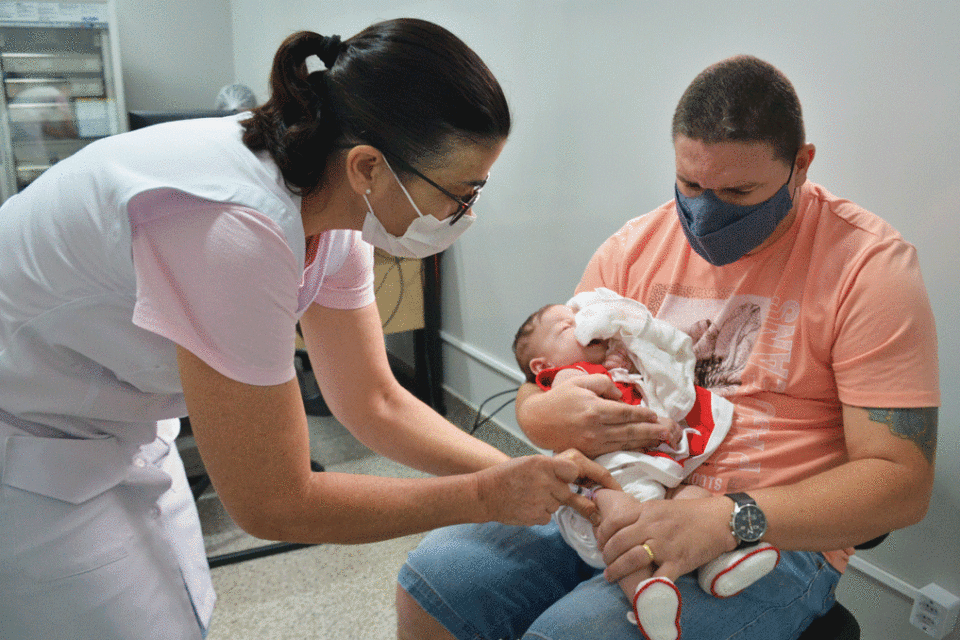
[[567, 374]]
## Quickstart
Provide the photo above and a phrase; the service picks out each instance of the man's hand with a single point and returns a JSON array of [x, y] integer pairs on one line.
[[681, 534], [586, 414]]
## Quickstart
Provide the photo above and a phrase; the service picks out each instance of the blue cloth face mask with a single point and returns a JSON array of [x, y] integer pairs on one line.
[[721, 232]]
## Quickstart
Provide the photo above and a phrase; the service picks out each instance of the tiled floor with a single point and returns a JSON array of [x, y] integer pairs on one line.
[[325, 591]]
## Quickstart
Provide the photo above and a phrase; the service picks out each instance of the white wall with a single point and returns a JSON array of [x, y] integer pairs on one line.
[[175, 55], [592, 86]]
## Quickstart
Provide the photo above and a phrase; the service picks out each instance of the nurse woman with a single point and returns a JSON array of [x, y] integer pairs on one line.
[[162, 272]]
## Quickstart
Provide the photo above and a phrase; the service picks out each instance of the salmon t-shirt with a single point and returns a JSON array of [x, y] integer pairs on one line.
[[834, 312]]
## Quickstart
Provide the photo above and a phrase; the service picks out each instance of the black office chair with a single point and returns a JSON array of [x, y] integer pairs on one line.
[[838, 623]]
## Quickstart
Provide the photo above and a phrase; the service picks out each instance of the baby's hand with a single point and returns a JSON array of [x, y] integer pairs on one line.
[[617, 358], [671, 433]]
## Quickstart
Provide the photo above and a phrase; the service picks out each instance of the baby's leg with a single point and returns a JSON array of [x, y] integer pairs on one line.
[[632, 581], [655, 601], [687, 491], [607, 500]]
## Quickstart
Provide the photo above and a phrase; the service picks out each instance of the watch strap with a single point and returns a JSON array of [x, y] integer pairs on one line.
[[740, 501]]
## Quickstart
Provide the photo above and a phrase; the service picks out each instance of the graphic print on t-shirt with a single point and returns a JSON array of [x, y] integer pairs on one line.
[[724, 333], [743, 346]]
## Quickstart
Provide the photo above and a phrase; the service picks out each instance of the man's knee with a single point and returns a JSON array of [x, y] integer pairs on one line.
[[413, 623]]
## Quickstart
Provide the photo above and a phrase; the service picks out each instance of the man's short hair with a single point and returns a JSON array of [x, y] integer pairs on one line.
[[742, 99]]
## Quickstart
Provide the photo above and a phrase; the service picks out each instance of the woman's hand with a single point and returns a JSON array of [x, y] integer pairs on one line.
[[586, 414], [527, 491], [681, 534]]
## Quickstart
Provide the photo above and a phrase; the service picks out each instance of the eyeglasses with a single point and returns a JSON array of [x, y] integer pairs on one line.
[[463, 205]]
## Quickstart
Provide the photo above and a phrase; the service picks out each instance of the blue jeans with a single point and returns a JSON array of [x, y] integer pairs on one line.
[[494, 582]]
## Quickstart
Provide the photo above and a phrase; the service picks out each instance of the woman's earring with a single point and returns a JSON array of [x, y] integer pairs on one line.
[[369, 191]]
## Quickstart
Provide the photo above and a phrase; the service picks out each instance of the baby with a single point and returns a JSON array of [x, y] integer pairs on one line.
[[639, 352]]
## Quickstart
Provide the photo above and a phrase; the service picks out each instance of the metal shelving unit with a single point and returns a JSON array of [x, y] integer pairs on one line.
[[62, 86]]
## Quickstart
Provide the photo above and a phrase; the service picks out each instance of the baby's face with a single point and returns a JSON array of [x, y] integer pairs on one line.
[[555, 343]]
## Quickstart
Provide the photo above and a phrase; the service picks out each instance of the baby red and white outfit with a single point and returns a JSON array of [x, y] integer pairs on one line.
[[664, 361], [646, 475]]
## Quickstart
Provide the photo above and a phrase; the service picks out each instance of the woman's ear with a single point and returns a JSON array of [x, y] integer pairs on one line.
[[364, 167]]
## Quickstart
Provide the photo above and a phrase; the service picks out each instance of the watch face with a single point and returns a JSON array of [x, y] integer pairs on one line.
[[749, 524]]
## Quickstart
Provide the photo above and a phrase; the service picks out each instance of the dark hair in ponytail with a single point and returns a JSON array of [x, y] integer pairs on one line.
[[407, 87]]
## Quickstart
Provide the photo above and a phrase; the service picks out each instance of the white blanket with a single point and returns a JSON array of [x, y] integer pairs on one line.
[[662, 354]]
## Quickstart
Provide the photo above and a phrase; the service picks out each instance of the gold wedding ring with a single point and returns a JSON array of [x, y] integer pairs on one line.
[[649, 551]]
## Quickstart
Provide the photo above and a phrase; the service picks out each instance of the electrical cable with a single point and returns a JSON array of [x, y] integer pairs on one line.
[[396, 265], [477, 423]]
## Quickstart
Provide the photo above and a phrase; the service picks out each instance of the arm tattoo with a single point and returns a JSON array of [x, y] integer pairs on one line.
[[917, 425]]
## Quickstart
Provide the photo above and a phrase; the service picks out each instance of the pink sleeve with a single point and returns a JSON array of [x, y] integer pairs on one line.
[[218, 280], [351, 286]]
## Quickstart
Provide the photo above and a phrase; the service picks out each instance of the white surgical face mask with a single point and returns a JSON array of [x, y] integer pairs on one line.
[[424, 237]]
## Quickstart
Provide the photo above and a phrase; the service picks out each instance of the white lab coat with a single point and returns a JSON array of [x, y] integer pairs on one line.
[[93, 496]]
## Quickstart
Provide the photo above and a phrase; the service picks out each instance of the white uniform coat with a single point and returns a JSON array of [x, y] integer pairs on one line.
[[92, 492]]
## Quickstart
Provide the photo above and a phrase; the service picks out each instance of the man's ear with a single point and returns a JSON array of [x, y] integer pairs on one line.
[[364, 167], [804, 160], [539, 364]]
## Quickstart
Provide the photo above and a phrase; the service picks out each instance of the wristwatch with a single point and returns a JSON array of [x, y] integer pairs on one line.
[[747, 523]]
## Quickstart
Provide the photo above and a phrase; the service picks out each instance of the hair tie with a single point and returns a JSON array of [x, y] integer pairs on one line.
[[330, 49]]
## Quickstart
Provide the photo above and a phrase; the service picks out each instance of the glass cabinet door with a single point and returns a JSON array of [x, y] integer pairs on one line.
[[59, 85]]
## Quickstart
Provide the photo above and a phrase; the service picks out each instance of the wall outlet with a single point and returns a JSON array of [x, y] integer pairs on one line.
[[935, 611]]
